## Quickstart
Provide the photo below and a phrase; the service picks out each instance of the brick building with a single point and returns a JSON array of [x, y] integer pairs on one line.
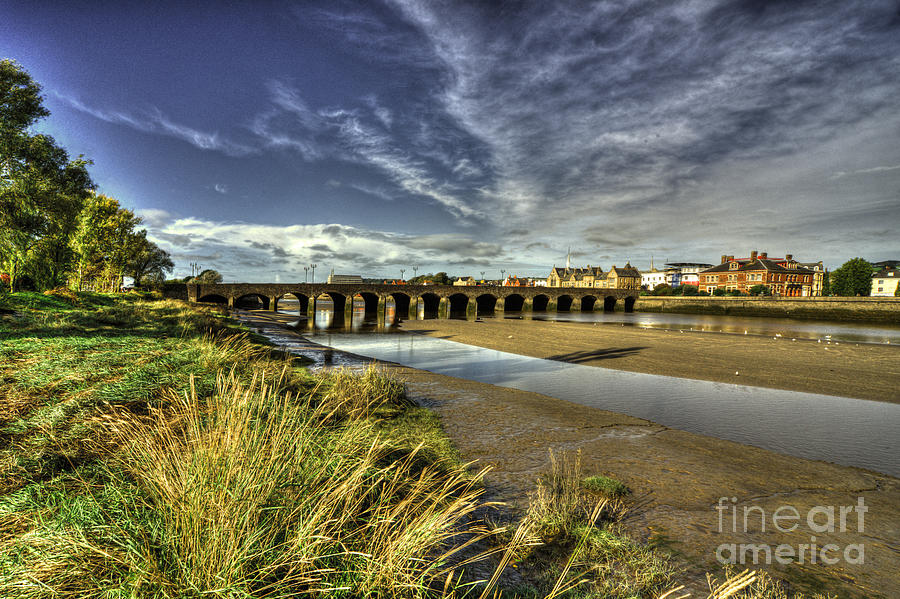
[[783, 276]]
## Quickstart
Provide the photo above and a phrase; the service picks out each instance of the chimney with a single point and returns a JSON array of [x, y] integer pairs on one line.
[[753, 254], [789, 257], [730, 258], [763, 255], [724, 259]]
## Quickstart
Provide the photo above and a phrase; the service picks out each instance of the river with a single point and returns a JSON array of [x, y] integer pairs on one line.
[[852, 432]]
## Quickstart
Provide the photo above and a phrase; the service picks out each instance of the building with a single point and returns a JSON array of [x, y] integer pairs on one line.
[[685, 273], [574, 277], [783, 276], [819, 272], [651, 278], [514, 281], [465, 282], [344, 279], [884, 282], [624, 277]]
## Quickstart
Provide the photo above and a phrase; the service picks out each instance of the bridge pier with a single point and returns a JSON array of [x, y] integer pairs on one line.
[[231, 302], [414, 308], [551, 305], [499, 306], [311, 309], [381, 311], [471, 309], [444, 308], [348, 311], [528, 306], [272, 300]]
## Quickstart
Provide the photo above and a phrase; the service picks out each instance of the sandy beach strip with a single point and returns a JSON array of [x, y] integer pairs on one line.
[[863, 371]]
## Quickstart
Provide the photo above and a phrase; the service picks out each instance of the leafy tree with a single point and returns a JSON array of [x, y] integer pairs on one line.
[[897, 291], [854, 277], [826, 283], [148, 260], [208, 277], [663, 289], [103, 243], [760, 290], [718, 292], [689, 290], [41, 190]]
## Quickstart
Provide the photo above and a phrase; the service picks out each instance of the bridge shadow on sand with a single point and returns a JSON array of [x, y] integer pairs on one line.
[[580, 357]]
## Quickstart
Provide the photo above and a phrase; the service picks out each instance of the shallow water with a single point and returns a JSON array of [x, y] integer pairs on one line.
[[846, 431], [826, 330]]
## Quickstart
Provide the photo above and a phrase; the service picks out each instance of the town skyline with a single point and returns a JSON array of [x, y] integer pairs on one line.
[[371, 137]]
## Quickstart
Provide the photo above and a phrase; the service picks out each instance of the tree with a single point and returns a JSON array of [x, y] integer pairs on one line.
[[103, 243], [41, 190], [208, 277], [147, 260], [854, 277], [760, 290], [826, 283]]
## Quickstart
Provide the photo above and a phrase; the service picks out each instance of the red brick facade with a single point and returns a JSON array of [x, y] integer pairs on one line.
[[783, 276]]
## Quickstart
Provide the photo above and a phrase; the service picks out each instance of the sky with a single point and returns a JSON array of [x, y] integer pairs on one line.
[[257, 138]]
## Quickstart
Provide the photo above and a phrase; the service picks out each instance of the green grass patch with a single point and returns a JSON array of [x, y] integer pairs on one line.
[[604, 485]]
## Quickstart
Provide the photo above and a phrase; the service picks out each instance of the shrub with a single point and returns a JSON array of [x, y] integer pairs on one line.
[[605, 485]]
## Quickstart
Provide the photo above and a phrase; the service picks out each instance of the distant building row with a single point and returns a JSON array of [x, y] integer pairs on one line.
[[624, 277]]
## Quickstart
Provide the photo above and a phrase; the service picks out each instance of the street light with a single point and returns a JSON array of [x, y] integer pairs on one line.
[[313, 267], [401, 273], [482, 276], [415, 271], [502, 274], [306, 274]]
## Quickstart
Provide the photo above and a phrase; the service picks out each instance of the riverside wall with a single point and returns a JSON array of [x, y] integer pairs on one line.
[[869, 309]]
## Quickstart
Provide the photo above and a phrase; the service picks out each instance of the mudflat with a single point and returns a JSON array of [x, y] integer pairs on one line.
[[863, 371], [678, 479]]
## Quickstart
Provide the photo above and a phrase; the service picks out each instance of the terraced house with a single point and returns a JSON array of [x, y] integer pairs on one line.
[[783, 276], [618, 277]]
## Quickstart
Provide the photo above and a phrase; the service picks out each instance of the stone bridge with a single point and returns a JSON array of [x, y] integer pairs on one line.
[[414, 301]]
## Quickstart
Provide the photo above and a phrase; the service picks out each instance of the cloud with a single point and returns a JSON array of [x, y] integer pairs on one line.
[[221, 188], [866, 171], [252, 251], [154, 121]]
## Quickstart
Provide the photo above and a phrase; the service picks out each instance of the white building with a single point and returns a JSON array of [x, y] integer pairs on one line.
[[651, 278]]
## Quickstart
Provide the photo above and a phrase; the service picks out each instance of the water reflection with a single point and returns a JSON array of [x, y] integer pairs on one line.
[[827, 331], [852, 432]]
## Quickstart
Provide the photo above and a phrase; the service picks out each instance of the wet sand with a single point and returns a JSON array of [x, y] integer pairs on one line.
[[845, 369], [677, 479]]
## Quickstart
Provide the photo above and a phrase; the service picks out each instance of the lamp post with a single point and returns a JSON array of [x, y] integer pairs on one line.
[[415, 271], [401, 274], [502, 274], [306, 274], [313, 267], [482, 276]]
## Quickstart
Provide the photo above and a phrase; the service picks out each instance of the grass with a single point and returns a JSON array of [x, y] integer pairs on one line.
[[606, 486], [152, 448]]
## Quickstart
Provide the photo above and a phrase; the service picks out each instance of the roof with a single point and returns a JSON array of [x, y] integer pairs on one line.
[[758, 264], [887, 272], [626, 271], [683, 264]]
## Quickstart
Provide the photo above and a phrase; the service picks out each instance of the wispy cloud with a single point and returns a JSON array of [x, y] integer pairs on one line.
[[154, 121], [865, 171]]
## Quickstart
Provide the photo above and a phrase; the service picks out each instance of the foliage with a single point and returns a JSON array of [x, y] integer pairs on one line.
[[440, 278], [689, 290], [853, 278], [52, 226], [148, 260], [41, 189], [605, 485], [208, 277], [718, 292], [662, 289], [760, 290], [735, 293], [826, 283]]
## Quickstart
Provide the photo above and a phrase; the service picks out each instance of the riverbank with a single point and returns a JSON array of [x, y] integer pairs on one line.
[[677, 478], [851, 309], [842, 369]]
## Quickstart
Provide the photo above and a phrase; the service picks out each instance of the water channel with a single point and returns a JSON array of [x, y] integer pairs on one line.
[[846, 431]]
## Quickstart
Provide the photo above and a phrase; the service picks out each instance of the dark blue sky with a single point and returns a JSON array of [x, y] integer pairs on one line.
[[256, 138]]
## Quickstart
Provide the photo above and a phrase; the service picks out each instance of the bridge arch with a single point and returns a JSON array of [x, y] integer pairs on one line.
[[213, 298], [629, 304], [457, 303], [485, 304], [609, 303], [370, 302], [401, 302], [302, 300], [540, 302], [429, 304], [338, 299], [564, 303], [587, 303], [252, 301], [513, 303]]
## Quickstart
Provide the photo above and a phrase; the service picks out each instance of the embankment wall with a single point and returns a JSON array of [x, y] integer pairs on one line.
[[870, 309]]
